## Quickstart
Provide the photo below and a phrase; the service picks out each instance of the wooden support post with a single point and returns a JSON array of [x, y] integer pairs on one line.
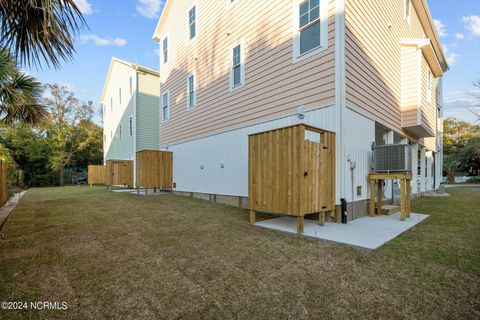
[[372, 197], [321, 218], [154, 189], [300, 221], [380, 196], [252, 216], [138, 189], [146, 191], [91, 185], [402, 200], [407, 198]]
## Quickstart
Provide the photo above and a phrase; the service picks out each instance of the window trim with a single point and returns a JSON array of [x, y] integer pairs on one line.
[[130, 84], [190, 75], [119, 95], [407, 10], [166, 92], [193, 5], [240, 43], [111, 104], [162, 51], [296, 55]]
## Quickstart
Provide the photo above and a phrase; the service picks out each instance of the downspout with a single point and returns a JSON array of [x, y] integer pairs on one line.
[[340, 113], [135, 127]]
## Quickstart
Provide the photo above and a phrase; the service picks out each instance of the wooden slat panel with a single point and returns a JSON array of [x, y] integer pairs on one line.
[[155, 169], [96, 174], [278, 160], [119, 172]]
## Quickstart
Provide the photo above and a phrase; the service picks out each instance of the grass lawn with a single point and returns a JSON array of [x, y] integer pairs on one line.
[[114, 255]]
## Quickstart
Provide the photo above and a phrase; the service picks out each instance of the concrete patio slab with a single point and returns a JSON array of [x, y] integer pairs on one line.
[[124, 190], [366, 232], [150, 192]]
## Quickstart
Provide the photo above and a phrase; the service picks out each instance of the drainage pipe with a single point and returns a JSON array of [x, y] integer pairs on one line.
[[344, 210]]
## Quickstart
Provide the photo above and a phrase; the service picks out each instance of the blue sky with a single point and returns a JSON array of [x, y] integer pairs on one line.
[[124, 29]]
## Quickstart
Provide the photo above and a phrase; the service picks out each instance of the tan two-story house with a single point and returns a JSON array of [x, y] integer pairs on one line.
[[368, 70]]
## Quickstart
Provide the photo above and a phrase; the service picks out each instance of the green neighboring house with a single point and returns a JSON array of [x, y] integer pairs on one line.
[[131, 110]]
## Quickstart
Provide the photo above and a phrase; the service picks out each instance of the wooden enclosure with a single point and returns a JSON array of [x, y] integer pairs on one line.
[[292, 172], [3, 183], [97, 174], [154, 170], [119, 172]]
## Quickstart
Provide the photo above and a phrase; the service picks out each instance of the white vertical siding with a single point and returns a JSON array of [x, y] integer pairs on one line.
[[231, 149], [360, 135]]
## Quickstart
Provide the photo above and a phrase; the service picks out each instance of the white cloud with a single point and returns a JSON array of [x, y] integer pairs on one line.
[[99, 41], [149, 8], [451, 57], [441, 28], [84, 6], [459, 36], [70, 87], [472, 24]]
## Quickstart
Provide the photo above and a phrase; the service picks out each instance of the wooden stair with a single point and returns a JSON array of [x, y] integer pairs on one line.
[[389, 209]]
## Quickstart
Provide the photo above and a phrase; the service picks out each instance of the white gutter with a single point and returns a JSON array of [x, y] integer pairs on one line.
[[134, 122], [340, 150]]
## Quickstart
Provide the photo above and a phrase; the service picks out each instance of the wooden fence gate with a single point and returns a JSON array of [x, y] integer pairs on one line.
[[96, 174], [292, 172], [119, 172]]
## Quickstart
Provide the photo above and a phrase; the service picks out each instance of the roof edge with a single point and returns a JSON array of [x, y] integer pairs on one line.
[[132, 65]]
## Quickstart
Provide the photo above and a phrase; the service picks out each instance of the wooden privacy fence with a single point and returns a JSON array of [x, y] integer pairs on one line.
[[3, 183], [292, 172], [96, 174], [154, 170], [119, 172]]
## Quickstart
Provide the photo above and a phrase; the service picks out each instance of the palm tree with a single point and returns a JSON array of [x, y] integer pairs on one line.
[[19, 94], [39, 30], [35, 31]]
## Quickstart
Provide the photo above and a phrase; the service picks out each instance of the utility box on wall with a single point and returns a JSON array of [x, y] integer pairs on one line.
[[393, 158]]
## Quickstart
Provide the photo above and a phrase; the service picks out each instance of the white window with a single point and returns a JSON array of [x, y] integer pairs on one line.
[[310, 34], [165, 106], [130, 84], [408, 9], [165, 49], [111, 104], [237, 70], [130, 123], [191, 91], [119, 95], [192, 22]]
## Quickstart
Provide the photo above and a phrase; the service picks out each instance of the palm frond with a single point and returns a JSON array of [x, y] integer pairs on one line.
[[40, 30], [19, 94]]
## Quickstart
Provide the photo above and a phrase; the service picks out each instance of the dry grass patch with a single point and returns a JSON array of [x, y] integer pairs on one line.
[[117, 255]]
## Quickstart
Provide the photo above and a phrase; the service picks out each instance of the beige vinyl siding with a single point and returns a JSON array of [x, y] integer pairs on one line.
[[409, 85], [374, 29], [429, 109], [274, 86]]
